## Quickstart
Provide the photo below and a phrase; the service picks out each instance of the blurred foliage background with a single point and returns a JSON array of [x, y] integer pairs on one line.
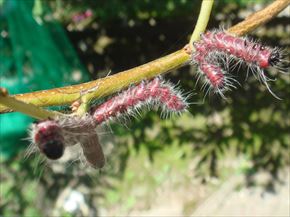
[[246, 133]]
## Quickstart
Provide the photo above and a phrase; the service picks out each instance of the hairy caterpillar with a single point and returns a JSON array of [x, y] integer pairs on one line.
[[214, 67], [53, 136], [214, 74], [217, 48], [155, 92]]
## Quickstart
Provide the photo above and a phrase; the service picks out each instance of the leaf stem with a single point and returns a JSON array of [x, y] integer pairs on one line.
[[25, 108], [202, 21]]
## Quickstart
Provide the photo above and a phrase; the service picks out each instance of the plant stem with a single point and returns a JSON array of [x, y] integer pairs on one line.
[[259, 18], [25, 108], [202, 21]]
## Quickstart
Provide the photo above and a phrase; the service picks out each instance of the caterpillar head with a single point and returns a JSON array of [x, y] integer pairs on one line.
[[52, 149], [47, 136], [275, 58]]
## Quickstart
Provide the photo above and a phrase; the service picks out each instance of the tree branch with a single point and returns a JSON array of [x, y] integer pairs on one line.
[[25, 108], [259, 18]]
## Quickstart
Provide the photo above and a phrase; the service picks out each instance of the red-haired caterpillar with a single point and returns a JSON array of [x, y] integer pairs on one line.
[[52, 136], [218, 46], [156, 92], [214, 67], [69, 130]]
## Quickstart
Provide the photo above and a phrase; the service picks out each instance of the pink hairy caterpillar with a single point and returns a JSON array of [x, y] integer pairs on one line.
[[218, 46], [215, 75], [53, 136], [212, 66], [155, 92]]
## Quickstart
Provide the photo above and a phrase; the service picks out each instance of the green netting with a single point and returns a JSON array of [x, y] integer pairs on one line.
[[35, 54]]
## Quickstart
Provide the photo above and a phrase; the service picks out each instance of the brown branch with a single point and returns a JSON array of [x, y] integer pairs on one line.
[[111, 84], [259, 18]]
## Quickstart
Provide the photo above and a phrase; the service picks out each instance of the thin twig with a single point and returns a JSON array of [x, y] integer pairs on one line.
[[202, 21], [27, 109], [259, 18]]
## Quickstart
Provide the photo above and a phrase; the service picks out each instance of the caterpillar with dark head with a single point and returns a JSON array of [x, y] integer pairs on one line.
[[219, 46], [53, 135]]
